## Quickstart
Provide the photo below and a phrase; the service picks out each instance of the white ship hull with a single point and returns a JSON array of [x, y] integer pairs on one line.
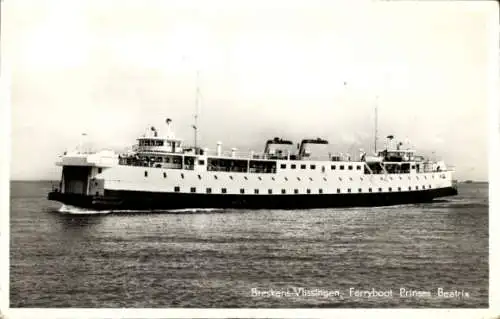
[[309, 184]]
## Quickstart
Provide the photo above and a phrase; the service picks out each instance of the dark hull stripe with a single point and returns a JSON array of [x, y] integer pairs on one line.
[[132, 200]]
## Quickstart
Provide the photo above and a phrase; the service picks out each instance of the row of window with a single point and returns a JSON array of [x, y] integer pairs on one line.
[[296, 191], [286, 178], [313, 166]]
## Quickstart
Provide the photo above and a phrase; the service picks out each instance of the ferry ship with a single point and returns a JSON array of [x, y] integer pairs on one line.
[[159, 172]]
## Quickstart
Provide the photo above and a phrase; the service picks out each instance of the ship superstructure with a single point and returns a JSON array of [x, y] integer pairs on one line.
[[161, 173]]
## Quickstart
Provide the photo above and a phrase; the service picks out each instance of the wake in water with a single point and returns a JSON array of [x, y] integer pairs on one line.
[[68, 209]]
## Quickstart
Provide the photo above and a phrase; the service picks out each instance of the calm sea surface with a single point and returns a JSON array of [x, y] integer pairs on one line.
[[225, 258]]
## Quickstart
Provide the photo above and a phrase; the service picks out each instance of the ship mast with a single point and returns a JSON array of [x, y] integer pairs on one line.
[[376, 124], [195, 126]]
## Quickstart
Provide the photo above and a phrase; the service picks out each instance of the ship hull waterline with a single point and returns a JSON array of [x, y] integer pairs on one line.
[[135, 200]]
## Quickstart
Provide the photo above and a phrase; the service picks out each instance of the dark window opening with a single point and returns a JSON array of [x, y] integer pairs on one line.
[[369, 190], [193, 189], [416, 187], [242, 191], [313, 166], [99, 170], [360, 190], [310, 178], [286, 179], [333, 167], [348, 190], [199, 176], [201, 162], [182, 175], [390, 189], [260, 178], [341, 167], [321, 191], [224, 191], [283, 166], [246, 178], [209, 191], [380, 189], [270, 191], [296, 191], [409, 188], [298, 178], [256, 191], [230, 177], [293, 166], [358, 167], [399, 189], [215, 176], [350, 167], [145, 173], [338, 190], [283, 191], [308, 191], [324, 178], [177, 189], [303, 166], [164, 175]]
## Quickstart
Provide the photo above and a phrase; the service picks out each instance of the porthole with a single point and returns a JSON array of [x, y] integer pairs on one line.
[[242, 191], [399, 189], [283, 191], [360, 190], [390, 189], [269, 191], [296, 191], [321, 191], [409, 188], [224, 191], [380, 189], [308, 191]]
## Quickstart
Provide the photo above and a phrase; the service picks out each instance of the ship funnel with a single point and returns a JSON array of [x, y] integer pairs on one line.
[[219, 148]]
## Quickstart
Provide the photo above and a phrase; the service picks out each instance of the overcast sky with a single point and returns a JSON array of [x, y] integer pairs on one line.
[[290, 69]]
